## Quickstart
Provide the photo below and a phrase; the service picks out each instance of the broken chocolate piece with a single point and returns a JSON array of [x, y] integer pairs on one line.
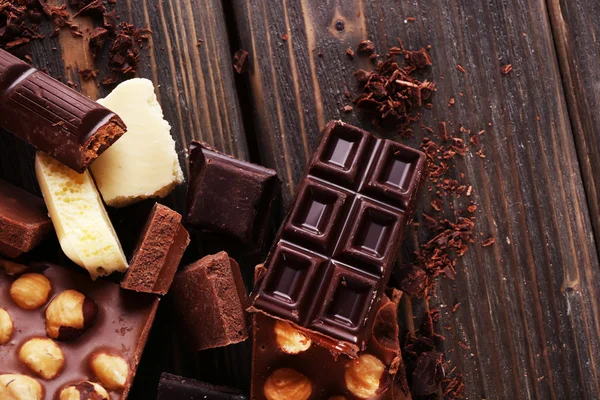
[[158, 252], [52, 117], [24, 220], [173, 387], [230, 197], [210, 301]]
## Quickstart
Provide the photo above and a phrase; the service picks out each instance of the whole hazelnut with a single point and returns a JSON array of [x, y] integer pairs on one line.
[[287, 384], [69, 315], [84, 390], [363, 375], [6, 326], [289, 339], [20, 387], [42, 356], [112, 371], [30, 291]]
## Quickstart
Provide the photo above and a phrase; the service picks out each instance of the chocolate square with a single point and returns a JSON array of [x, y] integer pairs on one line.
[[230, 196]]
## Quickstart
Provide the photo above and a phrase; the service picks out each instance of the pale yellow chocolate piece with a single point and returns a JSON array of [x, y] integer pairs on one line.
[[82, 225], [143, 163]]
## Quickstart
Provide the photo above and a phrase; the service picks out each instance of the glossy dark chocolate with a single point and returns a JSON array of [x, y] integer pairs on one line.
[[173, 387], [230, 197], [326, 371], [210, 302], [24, 220], [334, 254], [53, 117], [158, 252], [121, 327]]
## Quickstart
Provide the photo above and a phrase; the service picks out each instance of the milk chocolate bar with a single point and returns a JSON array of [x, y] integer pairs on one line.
[[287, 364], [210, 302], [24, 220], [334, 254], [230, 197], [158, 252], [53, 117], [60, 331], [173, 387]]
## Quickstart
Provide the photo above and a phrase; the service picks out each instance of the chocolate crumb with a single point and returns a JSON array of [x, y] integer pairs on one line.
[[285, 37], [240, 61], [506, 69], [488, 242], [365, 47], [350, 53], [347, 108], [461, 68]]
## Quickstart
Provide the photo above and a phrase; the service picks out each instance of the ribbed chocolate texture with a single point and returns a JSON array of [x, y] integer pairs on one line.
[[335, 251], [53, 117]]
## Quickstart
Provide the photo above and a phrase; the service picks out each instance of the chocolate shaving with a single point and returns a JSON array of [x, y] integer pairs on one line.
[[506, 69], [240, 61]]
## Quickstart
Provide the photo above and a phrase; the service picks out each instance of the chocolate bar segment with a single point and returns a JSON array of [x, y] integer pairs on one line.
[[334, 254], [24, 220], [53, 117], [119, 330], [158, 252], [176, 387], [210, 302], [288, 363], [230, 197]]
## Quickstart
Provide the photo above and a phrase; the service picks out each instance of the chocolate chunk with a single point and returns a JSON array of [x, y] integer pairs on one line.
[[282, 351], [428, 375], [334, 254], [158, 252], [413, 280], [52, 117], [230, 197], [210, 301], [176, 387], [120, 329], [24, 220]]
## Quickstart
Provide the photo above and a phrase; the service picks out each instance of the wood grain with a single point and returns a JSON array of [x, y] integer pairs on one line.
[[576, 31], [528, 326]]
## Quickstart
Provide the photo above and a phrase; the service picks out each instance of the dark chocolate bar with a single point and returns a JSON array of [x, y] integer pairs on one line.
[[46, 302], [286, 364], [334, 254], [230, 197], [53, 117], [210, 301], [173, 387], [24, 220], [158, 252]]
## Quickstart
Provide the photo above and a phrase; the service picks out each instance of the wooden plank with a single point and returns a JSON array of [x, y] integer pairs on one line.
[[529, 316], [576, 29]]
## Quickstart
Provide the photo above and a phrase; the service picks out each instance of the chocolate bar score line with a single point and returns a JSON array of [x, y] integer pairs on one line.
[[334, 253], [53, 117]]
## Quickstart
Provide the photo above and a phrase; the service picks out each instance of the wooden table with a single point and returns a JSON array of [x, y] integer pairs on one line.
[[528, 325]]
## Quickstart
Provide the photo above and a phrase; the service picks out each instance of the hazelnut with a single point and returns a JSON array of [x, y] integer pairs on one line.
[[30, 291], [69, 315], [6, 326], [363, 376], [287, 384], [290, 339], [20, 387], [84, 390], [42, 356], [111, 370]]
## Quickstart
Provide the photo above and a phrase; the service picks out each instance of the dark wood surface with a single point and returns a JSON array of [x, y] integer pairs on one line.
[[528, 317], [528, 325]]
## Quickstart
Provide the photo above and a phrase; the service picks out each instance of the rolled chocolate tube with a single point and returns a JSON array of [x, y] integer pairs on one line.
[[53, 117]]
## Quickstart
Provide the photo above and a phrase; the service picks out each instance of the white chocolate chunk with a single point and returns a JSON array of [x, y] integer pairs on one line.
[[82, 225], [143, 163]]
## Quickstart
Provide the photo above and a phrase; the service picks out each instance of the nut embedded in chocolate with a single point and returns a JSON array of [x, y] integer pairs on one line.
[[289, 339], [287, 384], [111, 370], [84, 390], [363, 375], [20, 387], [6, 326], [69, 315], [43, 357], [30, 291]]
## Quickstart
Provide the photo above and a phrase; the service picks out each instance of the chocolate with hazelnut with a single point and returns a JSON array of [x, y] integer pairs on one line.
[[6, 326], [111, 370], [84, 390], [20, 387], [30, 291], [43, 357]]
